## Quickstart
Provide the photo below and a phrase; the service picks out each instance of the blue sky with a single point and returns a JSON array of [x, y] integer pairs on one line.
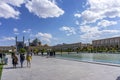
[[58, 21]]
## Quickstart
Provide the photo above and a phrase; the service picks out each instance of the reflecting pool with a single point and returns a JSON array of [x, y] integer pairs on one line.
[[93, 57]]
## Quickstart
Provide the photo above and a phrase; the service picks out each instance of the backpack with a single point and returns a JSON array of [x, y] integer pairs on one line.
[[15, 60], [22, 57]]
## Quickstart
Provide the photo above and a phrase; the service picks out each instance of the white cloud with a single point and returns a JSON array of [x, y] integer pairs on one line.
[[99, 13], [106, 23], [89, 16], [14, 2], [110, 31], [116, 36], [95, 32], [86, 28], [15, 30], [7, 11], [44, 8], [27, 31], [77, 15], [8, 39], [16, 33], [100, 9], [41, 8], [69, 30], [77, 22], [89, 32], [44, 36]]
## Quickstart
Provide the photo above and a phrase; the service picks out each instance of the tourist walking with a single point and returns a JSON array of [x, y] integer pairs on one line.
[[14, 60], [48, 53], [5, 59], [54, 54], [42, 53], [29, 58], [22, 58]]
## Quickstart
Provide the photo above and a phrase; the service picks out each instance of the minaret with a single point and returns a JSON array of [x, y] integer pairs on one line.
[[16, 40], [23, 39], [28, 42], [16, 44]]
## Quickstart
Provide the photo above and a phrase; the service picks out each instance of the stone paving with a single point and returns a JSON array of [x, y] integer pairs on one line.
[[59, 69]]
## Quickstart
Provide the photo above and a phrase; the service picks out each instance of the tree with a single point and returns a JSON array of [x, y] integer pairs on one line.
[[84, 49], [116, 47], [69, 50], [78, 49], [36, 51], [22, 50]]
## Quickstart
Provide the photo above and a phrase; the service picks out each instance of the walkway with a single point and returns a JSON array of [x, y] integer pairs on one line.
[[58, 69]]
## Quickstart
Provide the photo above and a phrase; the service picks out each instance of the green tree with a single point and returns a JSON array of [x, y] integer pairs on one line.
[[116, 47], [69, 50], [36, 51], [22, 50], [84, 49], [113, 50]]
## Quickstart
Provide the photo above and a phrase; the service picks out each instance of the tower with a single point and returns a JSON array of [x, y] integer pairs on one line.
[[28, 42], [16, 44], [19, 44], [23, 41], [16, 40]]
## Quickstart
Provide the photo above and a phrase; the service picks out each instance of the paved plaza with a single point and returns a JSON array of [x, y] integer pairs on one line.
[[59, 69]]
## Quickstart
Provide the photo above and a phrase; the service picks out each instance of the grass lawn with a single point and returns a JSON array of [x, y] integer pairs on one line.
[[1, 67]]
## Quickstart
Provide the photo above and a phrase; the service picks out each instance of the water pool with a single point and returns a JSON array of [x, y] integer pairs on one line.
[[93, 57]]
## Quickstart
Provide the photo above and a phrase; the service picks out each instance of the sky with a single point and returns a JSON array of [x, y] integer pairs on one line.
[[58, 21]]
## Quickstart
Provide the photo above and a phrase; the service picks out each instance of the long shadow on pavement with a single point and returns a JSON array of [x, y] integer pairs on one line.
[[12, 67]]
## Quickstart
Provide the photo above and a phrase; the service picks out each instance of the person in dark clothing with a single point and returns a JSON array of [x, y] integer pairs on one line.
[[48, 54], [51, 53], [1, 55], [54, 53], [42, 53], [14, 60], [22, 58]]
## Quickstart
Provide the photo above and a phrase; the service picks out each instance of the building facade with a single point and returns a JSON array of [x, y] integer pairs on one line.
[[19, 44], [37, 45], [64, 46], [7, 48], [108, 42]]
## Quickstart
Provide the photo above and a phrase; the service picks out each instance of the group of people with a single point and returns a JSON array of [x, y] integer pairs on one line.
[[22, 58], [51, 53], [3, 58]]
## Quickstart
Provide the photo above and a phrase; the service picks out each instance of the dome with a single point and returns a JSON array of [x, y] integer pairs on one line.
[[36, 42]]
